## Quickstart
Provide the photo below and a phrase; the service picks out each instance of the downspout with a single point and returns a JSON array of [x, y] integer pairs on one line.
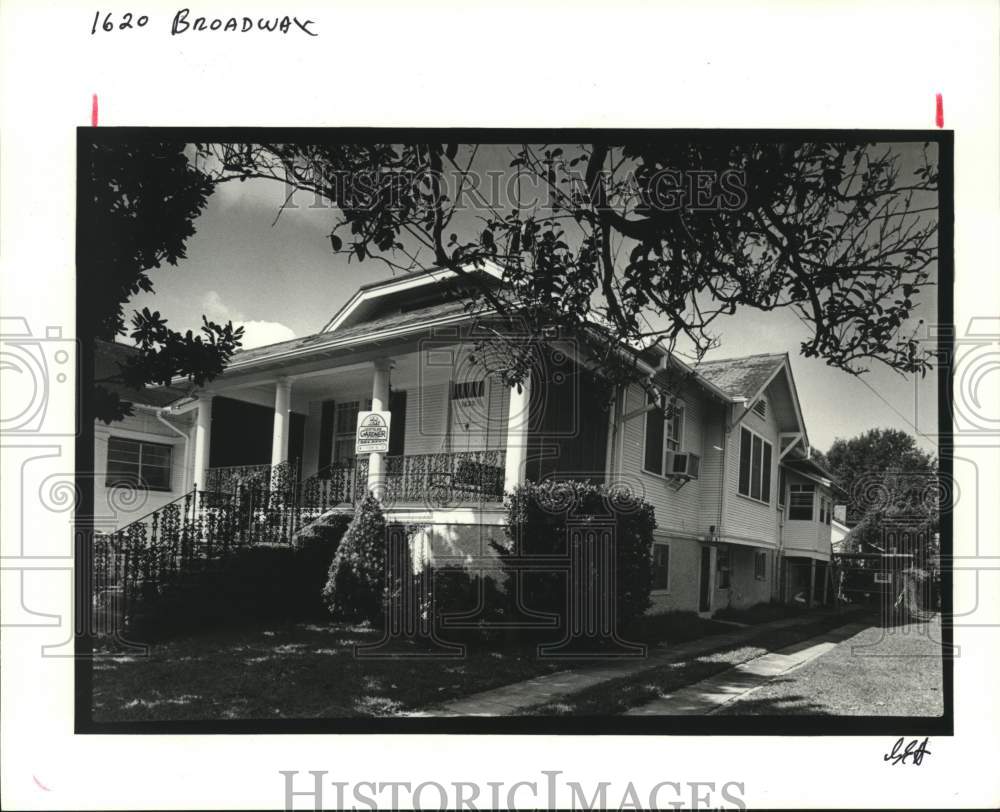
[[609, 449], [187, 448], [726, 431], [160, 413]]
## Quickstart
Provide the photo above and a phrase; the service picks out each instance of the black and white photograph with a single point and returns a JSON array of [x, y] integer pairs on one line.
[[544, 405], [603, 432]]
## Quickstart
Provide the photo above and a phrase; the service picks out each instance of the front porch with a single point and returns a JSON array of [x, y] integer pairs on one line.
[[457, 437], [432, 481]]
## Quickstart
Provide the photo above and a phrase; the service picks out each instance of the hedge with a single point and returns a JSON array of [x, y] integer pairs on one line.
[[542, 518]]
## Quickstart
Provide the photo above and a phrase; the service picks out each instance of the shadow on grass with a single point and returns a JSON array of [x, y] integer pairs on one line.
[[791, 704], [620, 695]]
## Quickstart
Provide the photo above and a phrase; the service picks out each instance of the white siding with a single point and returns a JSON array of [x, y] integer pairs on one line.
[[678, 510], [807, 538], [116, 507], [748, 520]]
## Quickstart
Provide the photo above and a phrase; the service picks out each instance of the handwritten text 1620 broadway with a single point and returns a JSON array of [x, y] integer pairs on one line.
[[184, 22]]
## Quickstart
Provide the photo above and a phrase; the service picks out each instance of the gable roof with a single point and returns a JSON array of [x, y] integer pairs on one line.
[[418, 318], [811, 469], [741, 377], [108, 358], [397, 285]]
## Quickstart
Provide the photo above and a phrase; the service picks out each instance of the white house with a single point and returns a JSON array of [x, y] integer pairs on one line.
[[743, 513]]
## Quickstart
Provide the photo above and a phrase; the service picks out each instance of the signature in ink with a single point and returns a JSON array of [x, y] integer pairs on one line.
[[914, 750]]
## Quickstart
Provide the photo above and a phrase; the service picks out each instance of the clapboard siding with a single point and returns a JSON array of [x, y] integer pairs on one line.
[[710, 483], [677, 510], [117, 507], [747, 519], [806, 537]]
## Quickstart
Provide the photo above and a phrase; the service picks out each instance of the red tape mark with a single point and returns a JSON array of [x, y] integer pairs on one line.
[[93, 111], [938, 118]]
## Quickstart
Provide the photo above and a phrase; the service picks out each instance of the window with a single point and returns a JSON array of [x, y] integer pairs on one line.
[[139, 464], [345, 426], [800, 502], [675, 426], [664, 432], [722, 568], [760, 408], [755, 466], [661, 566], [760, 566], [825, 508]]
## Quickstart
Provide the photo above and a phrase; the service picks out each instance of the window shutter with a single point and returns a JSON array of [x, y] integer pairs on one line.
[[765, 484], [745, 442], [397, 426], [653, 456], [326, 433]]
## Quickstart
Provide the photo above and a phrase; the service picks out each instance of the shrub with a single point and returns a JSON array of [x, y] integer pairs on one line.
[[356, 581], [457, 591], [315, 548], [542, 518]]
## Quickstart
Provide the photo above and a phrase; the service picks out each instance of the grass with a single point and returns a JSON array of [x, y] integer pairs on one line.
[[760, 613], [673, 627], [309, 670], [620, 695], [894, 671]]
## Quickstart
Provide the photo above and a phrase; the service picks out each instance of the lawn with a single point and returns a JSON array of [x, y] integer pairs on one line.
[[893, 671], [310, 671], [620, 695], [760, 613]]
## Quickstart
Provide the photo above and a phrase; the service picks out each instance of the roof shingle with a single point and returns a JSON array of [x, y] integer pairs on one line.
[[318, 340], [740, 377]]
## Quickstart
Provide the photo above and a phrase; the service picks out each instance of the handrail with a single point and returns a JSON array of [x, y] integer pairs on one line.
[[192, 494]]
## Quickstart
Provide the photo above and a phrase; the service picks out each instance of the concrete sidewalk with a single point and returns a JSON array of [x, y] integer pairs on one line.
[[709, 695], [511, 700]]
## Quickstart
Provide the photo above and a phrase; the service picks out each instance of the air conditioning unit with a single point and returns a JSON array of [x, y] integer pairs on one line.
[[683, 464]]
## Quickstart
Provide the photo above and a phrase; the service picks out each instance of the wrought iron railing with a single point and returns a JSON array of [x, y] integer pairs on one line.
[[248, 505], [230, 478], [457, 478], [441, 480]]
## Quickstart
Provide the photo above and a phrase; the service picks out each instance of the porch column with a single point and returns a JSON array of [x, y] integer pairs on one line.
[[812, 582], [202, 441], [279, 434], [517, 436], [380, 402]]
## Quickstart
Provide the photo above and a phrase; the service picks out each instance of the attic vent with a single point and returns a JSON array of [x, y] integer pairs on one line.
[[467, 390], [760, 408]]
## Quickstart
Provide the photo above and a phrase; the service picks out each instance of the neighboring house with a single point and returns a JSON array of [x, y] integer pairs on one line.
[[743, 514], [839, 529], [140, 463]]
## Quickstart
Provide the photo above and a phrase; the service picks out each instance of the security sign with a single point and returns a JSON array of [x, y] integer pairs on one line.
[[373, 433]]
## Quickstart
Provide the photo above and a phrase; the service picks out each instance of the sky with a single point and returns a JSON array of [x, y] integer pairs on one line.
[[278, 276]]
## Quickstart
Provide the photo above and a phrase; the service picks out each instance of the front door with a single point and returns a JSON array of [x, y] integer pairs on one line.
[[705, 582]]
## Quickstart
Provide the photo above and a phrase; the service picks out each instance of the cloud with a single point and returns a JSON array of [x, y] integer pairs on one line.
[[256, 333], [261, 333]]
